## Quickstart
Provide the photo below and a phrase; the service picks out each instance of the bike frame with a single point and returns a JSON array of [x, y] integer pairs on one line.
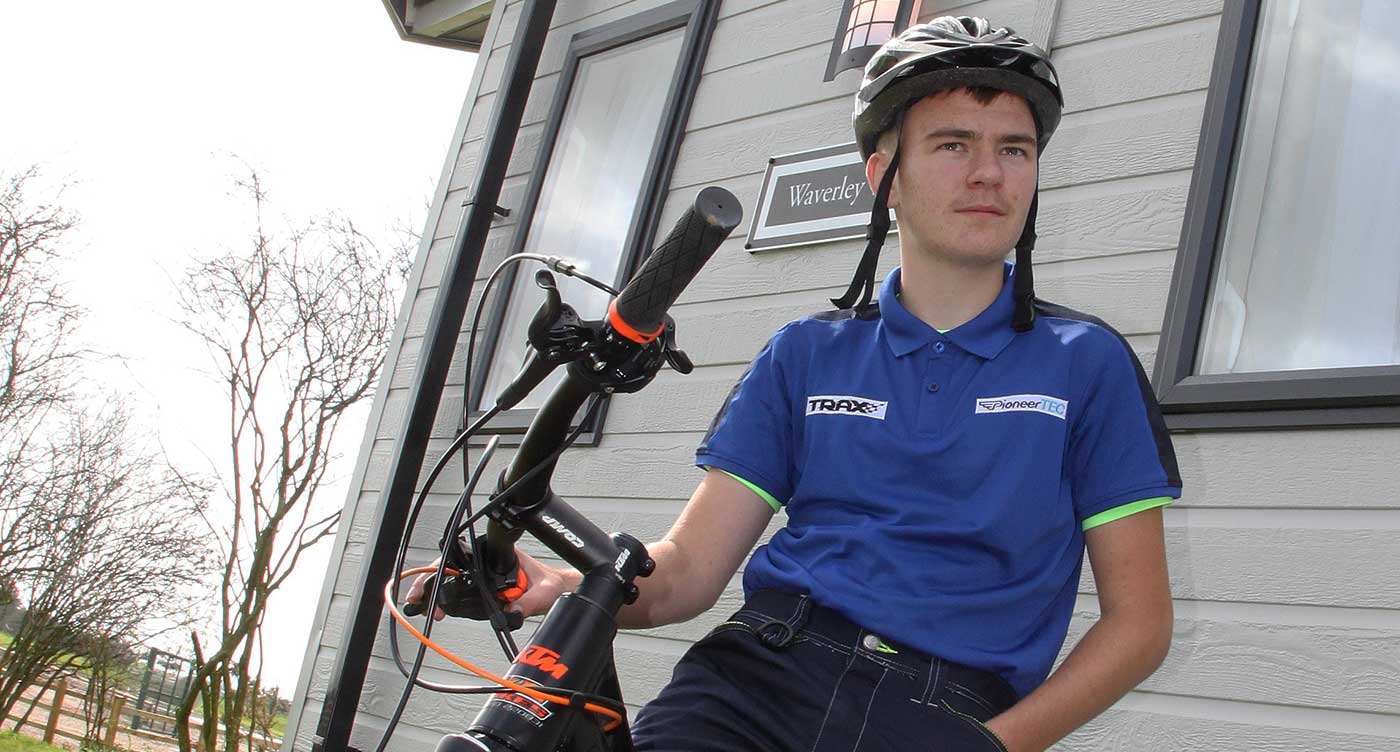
[[572, 649]]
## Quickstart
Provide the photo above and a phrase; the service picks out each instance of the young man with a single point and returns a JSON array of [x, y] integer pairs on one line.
[[944, 458]]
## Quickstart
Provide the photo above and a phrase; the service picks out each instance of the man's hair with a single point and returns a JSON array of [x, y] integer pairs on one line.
[[984, 95]]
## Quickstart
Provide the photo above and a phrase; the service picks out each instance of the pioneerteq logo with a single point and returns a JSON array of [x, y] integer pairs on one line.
[[1034, 403], [837, 404]]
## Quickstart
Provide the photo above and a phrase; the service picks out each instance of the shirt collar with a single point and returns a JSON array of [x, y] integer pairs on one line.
[[986, 335]]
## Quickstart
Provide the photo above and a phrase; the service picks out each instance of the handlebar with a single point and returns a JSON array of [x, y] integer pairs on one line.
[[570, 650], [694, 238], [639, 310]]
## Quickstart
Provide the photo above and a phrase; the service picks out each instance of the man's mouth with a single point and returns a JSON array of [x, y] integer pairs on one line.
[[981, 209]]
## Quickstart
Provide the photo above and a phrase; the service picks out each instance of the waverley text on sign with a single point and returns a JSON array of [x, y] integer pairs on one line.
[[812, 197]]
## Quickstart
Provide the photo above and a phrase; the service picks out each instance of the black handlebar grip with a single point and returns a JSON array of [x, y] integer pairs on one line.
[[639, 310]]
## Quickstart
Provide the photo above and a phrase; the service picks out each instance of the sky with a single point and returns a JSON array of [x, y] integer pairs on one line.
[[145, 113]]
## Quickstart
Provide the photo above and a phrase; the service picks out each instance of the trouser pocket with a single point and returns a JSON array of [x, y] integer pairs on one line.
[[978, 738]]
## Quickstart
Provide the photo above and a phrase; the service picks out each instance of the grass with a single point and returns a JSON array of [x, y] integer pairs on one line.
[[12, 742]]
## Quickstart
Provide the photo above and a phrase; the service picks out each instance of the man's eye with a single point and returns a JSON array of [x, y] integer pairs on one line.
[[951, 146], [1016, 151]]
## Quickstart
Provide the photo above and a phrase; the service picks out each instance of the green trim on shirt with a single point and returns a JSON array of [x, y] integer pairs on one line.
[[1106, 516], [762, 494], [1125, 510]]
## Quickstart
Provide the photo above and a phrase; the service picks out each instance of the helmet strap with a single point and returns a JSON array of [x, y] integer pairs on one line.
[[863, 282], [1023, 289]]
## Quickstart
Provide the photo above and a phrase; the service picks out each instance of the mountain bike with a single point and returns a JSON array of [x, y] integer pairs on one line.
[[561, 691]]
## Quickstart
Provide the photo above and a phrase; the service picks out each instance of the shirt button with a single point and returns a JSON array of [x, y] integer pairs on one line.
[[871, 642], [938, 347], [933, 387]]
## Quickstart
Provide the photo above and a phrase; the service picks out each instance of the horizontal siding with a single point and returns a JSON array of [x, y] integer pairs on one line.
[[1287, 633], [1114, 217], [1245, 653], [1142, 65], [1138, 138], [1234, 652], [1337, 469], [1151, 723], [1333, 471], [1083, 21]]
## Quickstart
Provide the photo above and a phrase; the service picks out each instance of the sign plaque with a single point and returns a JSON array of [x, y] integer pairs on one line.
[[812, 197]]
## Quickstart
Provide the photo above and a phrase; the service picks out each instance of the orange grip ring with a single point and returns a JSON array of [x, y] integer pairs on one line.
[[626, 330]]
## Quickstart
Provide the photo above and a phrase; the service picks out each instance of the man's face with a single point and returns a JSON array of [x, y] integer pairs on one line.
[[966, 176]]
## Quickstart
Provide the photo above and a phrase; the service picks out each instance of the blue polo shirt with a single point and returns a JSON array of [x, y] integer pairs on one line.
[[937, 486]]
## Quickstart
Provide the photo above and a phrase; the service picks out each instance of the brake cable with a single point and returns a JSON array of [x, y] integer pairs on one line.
[[454, 528]]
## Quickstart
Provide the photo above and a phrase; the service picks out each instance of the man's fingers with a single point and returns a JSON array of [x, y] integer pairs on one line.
[[415, 589], [416, 595]]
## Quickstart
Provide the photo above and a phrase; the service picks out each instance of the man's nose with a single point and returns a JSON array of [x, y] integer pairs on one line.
[[985, 168]]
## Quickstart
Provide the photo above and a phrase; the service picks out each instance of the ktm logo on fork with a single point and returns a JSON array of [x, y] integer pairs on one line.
[[543, 659]]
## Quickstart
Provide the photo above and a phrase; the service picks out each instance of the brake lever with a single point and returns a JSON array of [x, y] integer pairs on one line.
[[458, 596], [553, 342], [676, 357], [548, 312]]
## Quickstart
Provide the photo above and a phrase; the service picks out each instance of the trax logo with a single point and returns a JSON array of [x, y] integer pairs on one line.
[[543, 659], [840, 404], [1035, 403], [558, 527]]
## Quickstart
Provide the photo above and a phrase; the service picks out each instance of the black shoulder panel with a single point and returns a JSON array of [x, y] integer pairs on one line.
[[1165, 452], [868, 312]]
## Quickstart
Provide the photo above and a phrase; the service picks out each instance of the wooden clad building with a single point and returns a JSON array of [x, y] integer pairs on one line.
[[1222, 190]]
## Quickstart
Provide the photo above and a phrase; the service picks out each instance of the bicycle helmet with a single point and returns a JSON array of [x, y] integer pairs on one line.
[[949, 53]]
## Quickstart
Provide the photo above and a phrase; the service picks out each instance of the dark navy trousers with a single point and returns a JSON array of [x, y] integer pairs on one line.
[[783, 674]]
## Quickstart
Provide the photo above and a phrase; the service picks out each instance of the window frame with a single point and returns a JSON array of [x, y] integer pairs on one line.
[[698, 18], [1322, 397]]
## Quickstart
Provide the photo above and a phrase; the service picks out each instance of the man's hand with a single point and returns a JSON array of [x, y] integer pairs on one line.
[[1125, 646], [544, 586], [694, 562]]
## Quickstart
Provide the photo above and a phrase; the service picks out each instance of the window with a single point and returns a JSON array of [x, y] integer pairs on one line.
[[1286, 298], [599, 182]]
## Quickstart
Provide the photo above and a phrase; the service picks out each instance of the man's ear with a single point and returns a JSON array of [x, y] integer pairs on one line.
[[875, 168]]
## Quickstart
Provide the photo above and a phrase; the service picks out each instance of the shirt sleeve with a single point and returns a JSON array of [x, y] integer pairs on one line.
[[1124, 510], [762, 494], [751, 437], [1119, 452]]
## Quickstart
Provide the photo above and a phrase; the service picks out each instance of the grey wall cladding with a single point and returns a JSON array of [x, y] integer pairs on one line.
[[1283, 549]]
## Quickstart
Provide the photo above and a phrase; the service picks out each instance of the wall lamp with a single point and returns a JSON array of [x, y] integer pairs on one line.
[[864, 25]]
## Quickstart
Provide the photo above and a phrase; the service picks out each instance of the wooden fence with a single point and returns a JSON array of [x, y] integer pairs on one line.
[[120, 718]]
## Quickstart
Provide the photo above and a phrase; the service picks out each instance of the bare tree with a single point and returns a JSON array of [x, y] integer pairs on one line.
[[124, 546], [112, 661], [98, 534], [297, 325], [262, 714], [36, 354]]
